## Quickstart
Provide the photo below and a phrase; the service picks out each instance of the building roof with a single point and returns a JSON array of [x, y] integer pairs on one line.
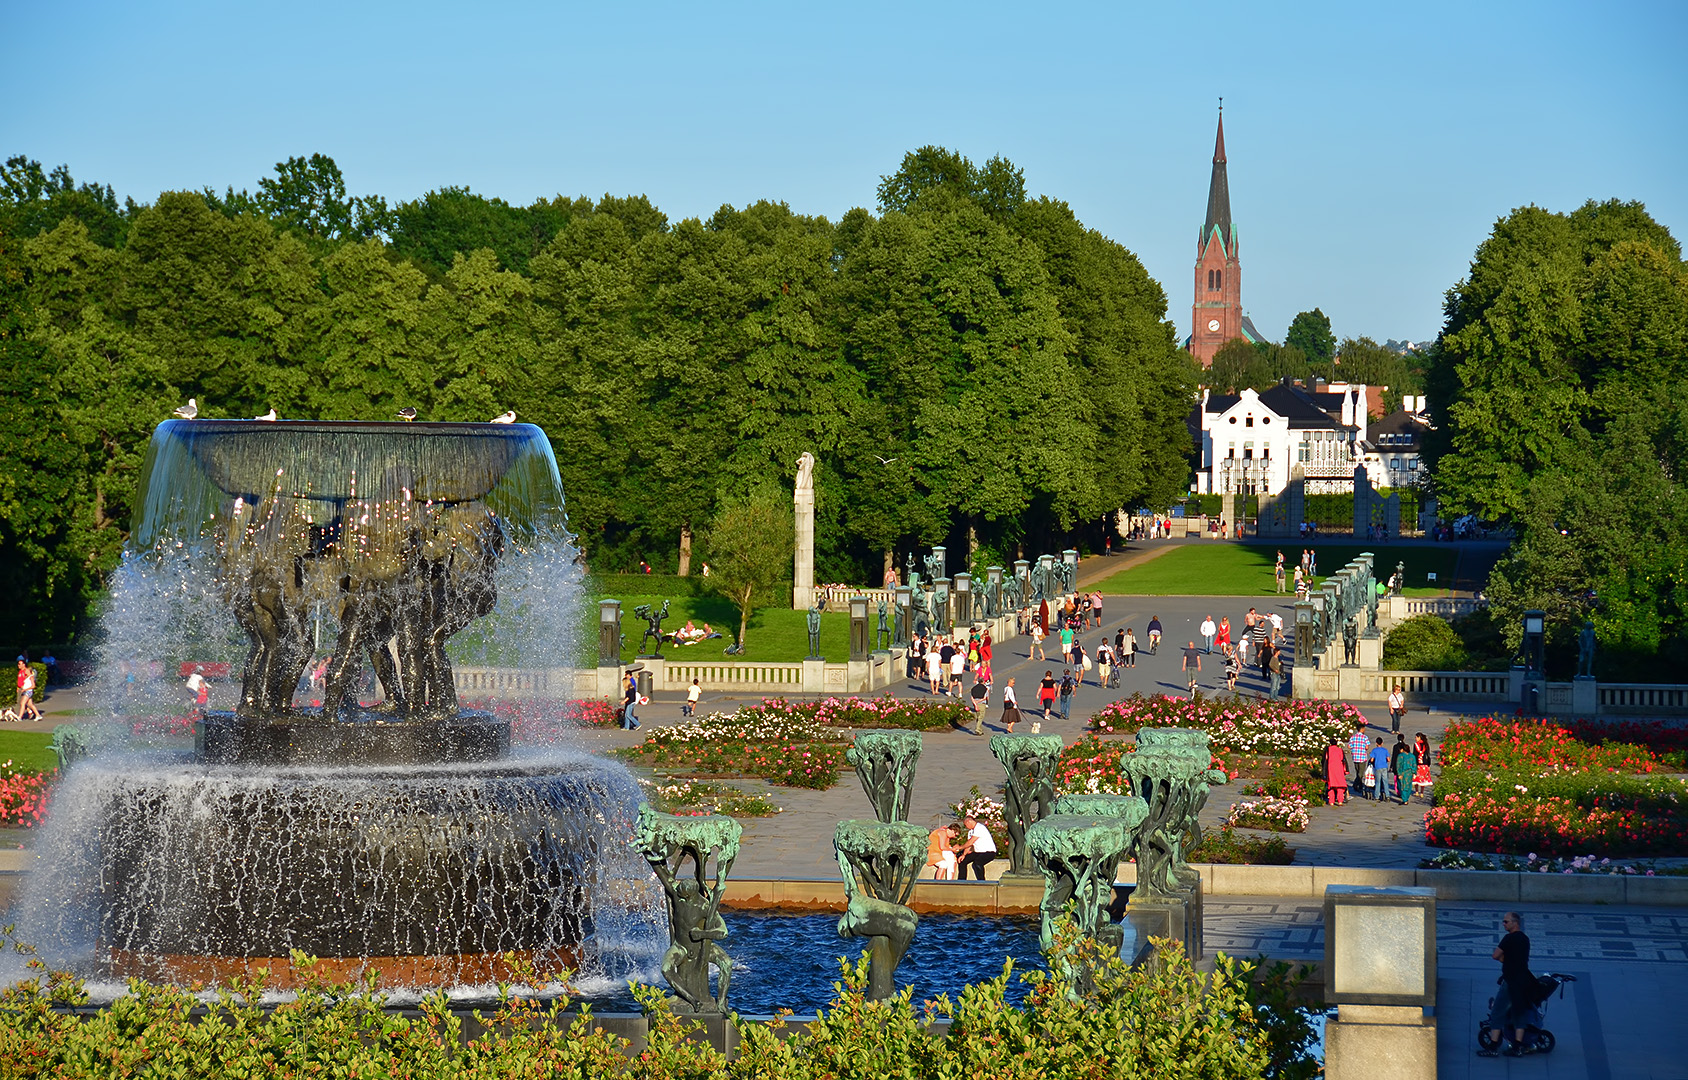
[[1254, 336], [1400, 430], [1302, 409], [1218, 192]]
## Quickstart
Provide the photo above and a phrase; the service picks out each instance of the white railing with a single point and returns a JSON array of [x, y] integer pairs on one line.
[[838, 599], [1644, 698], [1446, 607], [513, 684], [726, 676], [1437, 685]]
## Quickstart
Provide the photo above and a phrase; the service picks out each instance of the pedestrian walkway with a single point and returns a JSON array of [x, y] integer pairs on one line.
[[1614, 1023]]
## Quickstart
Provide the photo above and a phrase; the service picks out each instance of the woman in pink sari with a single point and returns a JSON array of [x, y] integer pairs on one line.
[[1336, 774]]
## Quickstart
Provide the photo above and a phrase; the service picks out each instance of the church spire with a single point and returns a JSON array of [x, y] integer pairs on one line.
[[1218, 191]]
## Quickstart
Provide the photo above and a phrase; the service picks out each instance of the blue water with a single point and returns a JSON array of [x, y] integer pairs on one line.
[[791, 961]]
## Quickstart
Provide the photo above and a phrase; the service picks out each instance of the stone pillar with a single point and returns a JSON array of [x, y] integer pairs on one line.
[[609, 633], [1229, 505], [1362, 503], [803, 503], [858, 628], [1585, 696], [963, 599], [1392, 515], [1380, 973], [940, 557]]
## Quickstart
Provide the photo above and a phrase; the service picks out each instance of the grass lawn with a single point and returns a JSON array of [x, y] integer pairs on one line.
[[27, 751], [1223, 569], [775, 634]]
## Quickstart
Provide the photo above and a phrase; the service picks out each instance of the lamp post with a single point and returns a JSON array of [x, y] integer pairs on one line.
[[1535, 643], [609, 633], [858, 628]]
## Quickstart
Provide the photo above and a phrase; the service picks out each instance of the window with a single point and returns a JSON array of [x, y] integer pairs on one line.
[[1248, 453], [1306, 453], [1219, 279], [1231, 452], [1266, 452], [1249, 422], [1233, 419]]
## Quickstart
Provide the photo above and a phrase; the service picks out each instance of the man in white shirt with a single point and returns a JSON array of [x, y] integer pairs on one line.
[[1208, 629], [692, 695], [1397, 708], [1277, 626], [977, 852]]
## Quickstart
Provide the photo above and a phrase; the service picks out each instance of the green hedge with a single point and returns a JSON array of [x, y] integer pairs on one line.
[[9, 692]]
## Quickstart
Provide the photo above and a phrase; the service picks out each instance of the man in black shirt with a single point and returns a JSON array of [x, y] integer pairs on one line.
[[1192, 664], [945, 655], [1517, 993]]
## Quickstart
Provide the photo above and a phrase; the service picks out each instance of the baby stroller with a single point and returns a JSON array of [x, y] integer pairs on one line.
[[1537, 1039]]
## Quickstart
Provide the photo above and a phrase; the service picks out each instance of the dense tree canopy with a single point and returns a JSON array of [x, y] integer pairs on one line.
[[1560, 387], [971, 364]]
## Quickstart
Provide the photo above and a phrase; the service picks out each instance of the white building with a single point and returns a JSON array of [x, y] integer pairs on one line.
[[1250, 441], [1391, 449]]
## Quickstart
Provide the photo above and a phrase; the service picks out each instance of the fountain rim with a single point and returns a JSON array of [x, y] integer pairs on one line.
[[419, 427]]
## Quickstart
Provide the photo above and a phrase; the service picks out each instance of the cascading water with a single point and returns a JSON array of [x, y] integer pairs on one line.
[[347, 806]]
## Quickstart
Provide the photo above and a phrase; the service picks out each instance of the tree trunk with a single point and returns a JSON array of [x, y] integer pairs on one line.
[[685, 549], [743, 620]]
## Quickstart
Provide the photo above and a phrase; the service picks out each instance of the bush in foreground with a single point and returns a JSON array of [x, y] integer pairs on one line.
[[1164, 1019]]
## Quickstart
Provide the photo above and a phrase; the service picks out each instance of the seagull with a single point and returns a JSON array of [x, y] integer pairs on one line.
[[188, 411], [267, 416], [407, 414], [884, 460], [507, 418]]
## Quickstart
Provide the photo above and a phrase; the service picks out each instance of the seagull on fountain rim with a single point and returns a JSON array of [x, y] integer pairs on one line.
[[506, 418], [407, 414], [267, 416], [188, 411]]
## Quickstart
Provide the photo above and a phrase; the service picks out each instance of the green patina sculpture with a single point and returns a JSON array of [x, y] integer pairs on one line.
[[695, 926], [1170, 773], [1078, 855], [1128, 808], [880, 861], [1029, 761], [884, 762]]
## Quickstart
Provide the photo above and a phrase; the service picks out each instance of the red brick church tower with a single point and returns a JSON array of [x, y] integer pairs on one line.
[[1217, 314]]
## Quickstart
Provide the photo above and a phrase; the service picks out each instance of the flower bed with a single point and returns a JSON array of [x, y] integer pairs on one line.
[[1092, 766], [696, 797], [1540, 744], [1293, 781], [857, 712], [779, 745], [1537, 786], [544, 723], [1269, 813], [1284, 728], [1534, 864], [1223, 845], [24, 796]]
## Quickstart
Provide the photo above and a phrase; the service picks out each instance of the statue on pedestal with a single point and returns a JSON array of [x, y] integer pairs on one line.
[[884, 762], [1170, 773], [1585, 650], [695, 926], [880, 862], [882, 632], [814, 620], [653, 626], [1029, 761]]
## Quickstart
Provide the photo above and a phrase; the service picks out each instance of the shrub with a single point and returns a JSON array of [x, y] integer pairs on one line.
[[1424, 643], [1223, 845], [24, 796], [1267, 812], [1288, 728]]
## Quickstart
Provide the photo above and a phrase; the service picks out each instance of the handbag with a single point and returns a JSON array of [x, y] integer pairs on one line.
[[1371, 776]]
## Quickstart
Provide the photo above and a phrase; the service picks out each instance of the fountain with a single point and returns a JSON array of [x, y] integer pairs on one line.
[[349, 809]]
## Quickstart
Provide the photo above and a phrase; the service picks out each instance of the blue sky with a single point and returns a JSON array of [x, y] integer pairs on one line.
[[1370, 150]]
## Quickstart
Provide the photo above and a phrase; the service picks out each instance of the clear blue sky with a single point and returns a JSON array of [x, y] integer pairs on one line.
[[1370, 150]]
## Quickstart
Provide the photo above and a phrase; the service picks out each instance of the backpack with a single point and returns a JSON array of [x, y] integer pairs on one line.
[[1066, 686]]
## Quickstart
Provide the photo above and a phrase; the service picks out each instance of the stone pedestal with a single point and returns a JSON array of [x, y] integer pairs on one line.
[[609, 682], [814, 676], [1178, 917], [1585, 696], [860, 677], [1380, 1042], [1348, 682], [1371, 652]]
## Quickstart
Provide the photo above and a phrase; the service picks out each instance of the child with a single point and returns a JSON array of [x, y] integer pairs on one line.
[[1233, 668]]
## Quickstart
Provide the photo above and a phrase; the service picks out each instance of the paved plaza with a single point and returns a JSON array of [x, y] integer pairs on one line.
[[1612, 1023]]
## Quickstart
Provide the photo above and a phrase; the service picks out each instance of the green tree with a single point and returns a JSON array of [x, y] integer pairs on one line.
[[1310, 332], [1362, 360], [1238, 366], [308, 194], [751, 544]]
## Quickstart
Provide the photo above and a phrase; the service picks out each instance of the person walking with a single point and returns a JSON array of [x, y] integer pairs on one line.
[[1037, 642], [26, 691], [1423, 782], [1046, 693], [1517, 992], [1096, 608], [1406, 767], [1397, 708], [1275, 667], [1278, 574], [1223, 637], [1233, 668], [197, 686], [1104, 663], [1336, 774], [981, 695], [1379, 766], [692, 694], [1067, 642], [934, 666], [1128, 648], [1192, 665], [958, 667], [1208, 630], [1010, 706], [1066, 693], [629, 702], [1359, 752]]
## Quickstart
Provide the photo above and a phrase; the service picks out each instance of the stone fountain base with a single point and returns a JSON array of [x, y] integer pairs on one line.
[[364, 737]]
